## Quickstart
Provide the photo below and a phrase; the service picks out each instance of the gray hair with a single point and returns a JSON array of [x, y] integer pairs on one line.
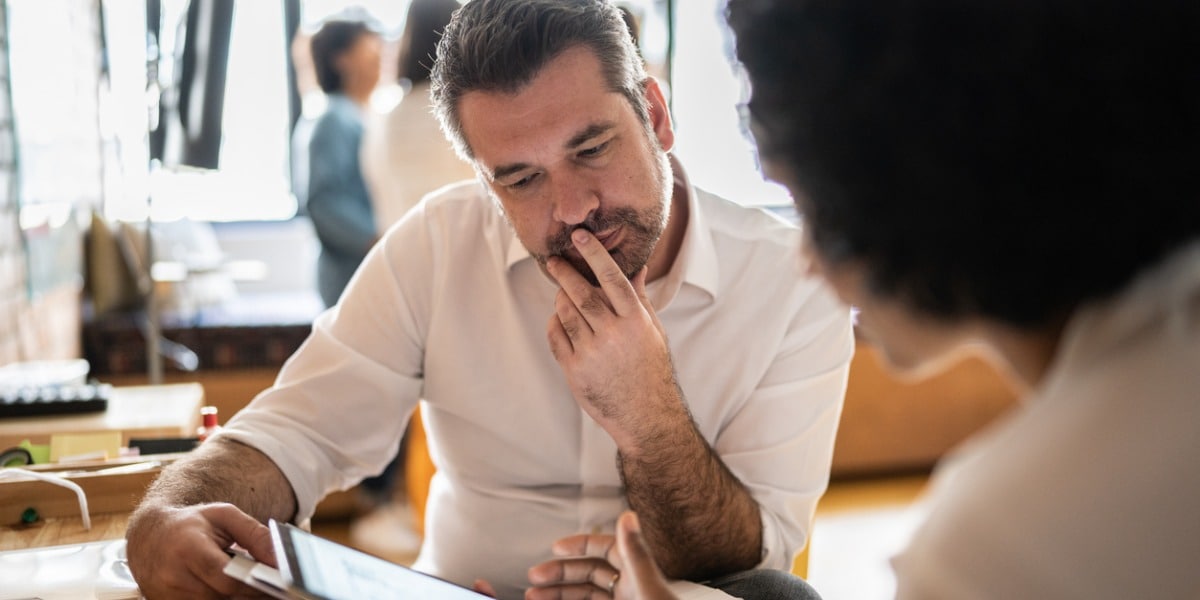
[[501, 45]]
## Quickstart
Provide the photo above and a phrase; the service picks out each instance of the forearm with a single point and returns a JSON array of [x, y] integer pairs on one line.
[[198, 508], [696, 515], [225, 471]]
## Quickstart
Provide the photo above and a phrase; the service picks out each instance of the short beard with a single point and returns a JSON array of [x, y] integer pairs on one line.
[[641, 231]]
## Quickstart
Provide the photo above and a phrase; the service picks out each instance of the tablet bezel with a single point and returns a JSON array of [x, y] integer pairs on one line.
[[285, 557]]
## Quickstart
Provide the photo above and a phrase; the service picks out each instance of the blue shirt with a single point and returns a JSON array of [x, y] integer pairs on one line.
[[338, 202]]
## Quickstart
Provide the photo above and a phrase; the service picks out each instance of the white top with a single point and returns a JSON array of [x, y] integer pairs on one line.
[[405, 156], [450, 307], [1091, 489]]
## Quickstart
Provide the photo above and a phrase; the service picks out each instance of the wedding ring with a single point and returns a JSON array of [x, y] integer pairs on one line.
[[613, 583]]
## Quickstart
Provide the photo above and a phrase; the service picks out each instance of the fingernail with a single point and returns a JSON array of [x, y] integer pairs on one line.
[[631, 522], [580, 236]]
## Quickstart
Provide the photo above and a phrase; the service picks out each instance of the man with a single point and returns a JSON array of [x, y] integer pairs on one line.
[[1021, 177], [566, 321]]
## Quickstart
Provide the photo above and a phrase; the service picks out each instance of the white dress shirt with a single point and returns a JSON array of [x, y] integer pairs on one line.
[[450, 307], [1091, 489]]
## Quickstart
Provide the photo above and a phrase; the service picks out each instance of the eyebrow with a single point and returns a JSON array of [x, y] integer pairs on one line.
[[576, 140], [588, 133]]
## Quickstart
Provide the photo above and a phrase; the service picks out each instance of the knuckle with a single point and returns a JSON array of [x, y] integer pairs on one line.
[[592, 304], [571, 328], [613, 276]]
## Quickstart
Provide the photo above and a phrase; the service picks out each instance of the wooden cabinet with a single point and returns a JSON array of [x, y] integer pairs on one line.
[[892, 425]]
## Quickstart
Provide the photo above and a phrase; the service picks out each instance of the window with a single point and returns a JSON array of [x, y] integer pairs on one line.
[[706, 91], [252, 180]]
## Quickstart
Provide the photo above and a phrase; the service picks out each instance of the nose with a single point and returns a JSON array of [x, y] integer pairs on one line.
[[574, 203]]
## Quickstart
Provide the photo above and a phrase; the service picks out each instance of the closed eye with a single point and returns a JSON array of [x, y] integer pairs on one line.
[[524, 181], [594, 151]]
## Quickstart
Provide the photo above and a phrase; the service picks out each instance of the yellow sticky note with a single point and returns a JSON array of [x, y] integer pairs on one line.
[[39, 452], [102, 445]]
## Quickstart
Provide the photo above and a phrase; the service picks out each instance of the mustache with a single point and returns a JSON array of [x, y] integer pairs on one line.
[[559, 243]]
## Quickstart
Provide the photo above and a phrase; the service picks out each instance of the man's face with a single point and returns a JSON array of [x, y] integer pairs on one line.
[[566, 152]]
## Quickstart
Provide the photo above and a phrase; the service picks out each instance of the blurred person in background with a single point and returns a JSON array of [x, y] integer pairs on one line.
[[405, 155], [345, 57]]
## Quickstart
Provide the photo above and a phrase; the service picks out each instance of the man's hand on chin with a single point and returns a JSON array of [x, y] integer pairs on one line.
[[612, 348]]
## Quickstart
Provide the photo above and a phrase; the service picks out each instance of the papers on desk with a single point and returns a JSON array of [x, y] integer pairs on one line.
[[74, 447], [77, 571]]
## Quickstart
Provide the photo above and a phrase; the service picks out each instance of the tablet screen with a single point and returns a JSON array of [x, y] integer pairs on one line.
[[325, 569]]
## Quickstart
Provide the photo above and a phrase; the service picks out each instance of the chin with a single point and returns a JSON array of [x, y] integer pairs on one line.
[[911, 367]]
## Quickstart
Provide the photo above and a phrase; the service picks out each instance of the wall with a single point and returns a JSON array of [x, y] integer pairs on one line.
[[891, 424], [288, 250]]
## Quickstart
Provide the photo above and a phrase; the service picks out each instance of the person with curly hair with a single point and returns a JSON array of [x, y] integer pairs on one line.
[[1017, 177]]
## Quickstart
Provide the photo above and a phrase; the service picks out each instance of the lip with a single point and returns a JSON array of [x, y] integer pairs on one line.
[[610, 239]]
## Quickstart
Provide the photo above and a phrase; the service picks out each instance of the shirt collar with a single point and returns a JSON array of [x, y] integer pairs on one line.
[[695, 265]]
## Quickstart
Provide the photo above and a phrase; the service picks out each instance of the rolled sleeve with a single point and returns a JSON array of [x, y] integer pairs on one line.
[[340, 405], [780, 445]]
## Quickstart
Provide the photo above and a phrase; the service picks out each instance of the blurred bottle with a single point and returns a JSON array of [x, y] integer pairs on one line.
[[208, 423]]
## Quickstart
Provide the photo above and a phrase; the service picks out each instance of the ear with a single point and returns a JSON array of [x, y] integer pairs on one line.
[[660, 115]]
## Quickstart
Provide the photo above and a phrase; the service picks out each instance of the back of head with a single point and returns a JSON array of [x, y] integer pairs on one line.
[[423, 28], [1009, 159], [329, 42], [501, 46]]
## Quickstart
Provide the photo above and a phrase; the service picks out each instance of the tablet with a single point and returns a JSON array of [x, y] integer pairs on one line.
[[316, 568]]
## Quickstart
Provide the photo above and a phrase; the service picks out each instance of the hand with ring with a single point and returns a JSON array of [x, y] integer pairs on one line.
[[612, 583], [600, 566]]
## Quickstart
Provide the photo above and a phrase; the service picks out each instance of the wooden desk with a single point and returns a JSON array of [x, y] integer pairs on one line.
[[64, 530], [137, 412]]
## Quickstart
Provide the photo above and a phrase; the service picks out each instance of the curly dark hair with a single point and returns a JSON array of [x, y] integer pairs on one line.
[[1010, 159], [329, 42], [501, 45]]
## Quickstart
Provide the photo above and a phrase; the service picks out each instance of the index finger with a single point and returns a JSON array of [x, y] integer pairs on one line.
[[235, 526], [615, 284]]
